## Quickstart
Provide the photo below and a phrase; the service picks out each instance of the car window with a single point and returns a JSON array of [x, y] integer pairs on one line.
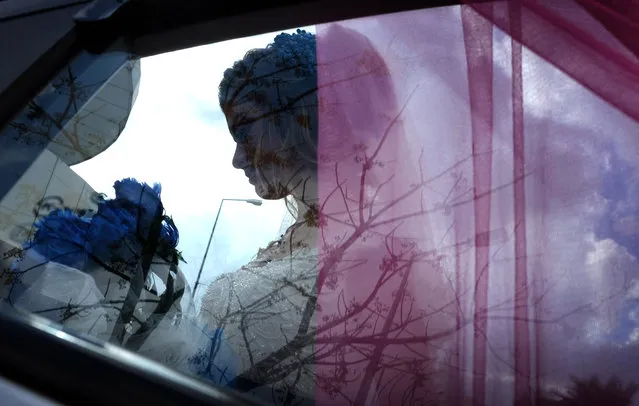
[[421, 208]]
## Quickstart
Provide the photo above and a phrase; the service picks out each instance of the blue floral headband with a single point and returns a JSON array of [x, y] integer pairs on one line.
[[281, 77], [297, 50]]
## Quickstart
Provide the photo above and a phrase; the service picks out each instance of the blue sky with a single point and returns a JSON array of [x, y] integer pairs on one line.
[[176, 135]]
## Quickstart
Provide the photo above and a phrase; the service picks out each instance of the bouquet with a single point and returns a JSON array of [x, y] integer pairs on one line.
[[114, 273]]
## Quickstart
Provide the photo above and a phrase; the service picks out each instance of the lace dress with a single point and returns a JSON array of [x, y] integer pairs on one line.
[[264, 310]]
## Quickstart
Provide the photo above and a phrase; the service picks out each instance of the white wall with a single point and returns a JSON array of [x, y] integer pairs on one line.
[[47, 176]]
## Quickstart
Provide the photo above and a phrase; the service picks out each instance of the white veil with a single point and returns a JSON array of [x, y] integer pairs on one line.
[[501, 274]]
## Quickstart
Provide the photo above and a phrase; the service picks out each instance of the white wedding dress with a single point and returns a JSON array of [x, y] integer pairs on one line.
[[261, 308]]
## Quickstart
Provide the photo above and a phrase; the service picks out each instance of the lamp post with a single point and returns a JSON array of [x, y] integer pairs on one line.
[[255, 202]]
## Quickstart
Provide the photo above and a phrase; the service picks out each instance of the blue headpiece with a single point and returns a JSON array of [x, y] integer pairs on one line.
[[281, 77], [297, 51]]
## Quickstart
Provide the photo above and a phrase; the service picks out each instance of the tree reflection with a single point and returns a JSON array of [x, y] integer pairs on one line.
[[378, 314], [43, 127]]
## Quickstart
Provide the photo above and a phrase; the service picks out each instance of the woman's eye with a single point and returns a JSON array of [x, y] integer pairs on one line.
[[242, 132]]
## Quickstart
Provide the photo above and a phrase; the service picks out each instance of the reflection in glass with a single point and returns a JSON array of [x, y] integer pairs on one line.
[[114, 274], [465, 233]]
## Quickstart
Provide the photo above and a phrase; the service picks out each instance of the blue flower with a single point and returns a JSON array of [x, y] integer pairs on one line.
[[143, 198], [138, 192], [111, 227], [144, 202], [297, 50], [170, 233], [110, 235], [62, 237]]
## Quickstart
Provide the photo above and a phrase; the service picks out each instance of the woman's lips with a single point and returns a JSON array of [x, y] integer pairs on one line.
[[251, 176]]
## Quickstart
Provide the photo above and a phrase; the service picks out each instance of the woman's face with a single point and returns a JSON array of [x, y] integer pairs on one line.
[[263, 152]]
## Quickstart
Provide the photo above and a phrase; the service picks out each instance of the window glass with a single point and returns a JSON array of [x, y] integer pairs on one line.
[[423, 208]]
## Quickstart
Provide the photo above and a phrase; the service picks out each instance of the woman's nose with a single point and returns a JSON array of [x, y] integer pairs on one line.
[[239, 157]]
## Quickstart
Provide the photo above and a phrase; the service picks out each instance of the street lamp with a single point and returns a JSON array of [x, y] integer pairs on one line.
[[254, 202]]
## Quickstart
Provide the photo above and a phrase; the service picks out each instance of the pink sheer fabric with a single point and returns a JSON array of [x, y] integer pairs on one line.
[[479, 203]]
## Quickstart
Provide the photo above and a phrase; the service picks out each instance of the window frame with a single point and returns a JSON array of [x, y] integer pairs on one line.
[[74, 369]]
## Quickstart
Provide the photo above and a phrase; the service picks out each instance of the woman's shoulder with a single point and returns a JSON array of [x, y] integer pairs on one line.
[[260, 278], [274, 258], [267, 270]]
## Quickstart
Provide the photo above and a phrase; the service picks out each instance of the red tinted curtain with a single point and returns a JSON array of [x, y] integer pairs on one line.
[[479, 205]]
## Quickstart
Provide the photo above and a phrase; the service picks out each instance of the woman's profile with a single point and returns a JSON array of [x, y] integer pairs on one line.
[[270, 102], [280, 311]]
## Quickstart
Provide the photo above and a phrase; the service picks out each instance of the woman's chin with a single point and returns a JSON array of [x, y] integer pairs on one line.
[[267, 196], [267, 193]]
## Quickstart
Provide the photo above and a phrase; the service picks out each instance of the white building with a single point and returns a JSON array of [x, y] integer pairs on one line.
[[101, 106]]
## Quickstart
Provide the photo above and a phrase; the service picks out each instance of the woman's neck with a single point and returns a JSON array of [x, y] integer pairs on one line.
[[307, 200]]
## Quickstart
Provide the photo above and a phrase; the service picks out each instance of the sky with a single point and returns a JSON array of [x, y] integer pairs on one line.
[[176, 135]]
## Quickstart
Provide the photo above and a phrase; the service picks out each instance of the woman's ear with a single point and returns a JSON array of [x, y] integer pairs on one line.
[[304, 146], [304, 129]]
